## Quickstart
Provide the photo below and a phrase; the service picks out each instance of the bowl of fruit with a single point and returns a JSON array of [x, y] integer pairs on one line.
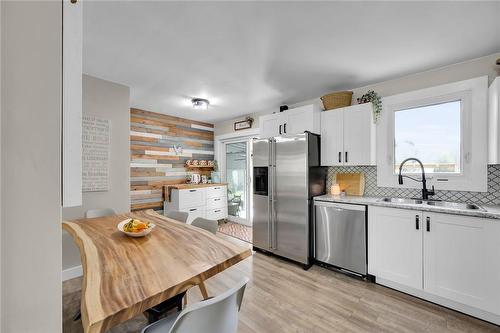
[[135, 227]]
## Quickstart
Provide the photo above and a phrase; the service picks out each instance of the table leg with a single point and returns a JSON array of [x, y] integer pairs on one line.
[[203, 290]]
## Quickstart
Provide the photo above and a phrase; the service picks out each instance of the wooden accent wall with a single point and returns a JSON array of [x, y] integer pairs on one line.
[[153, 161]]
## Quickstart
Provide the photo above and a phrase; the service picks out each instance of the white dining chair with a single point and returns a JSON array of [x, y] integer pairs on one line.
[[209, 225], [177, 215], [215, 315], [99, 212]]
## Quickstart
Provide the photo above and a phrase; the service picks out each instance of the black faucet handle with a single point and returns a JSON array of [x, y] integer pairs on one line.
[[432, 192]]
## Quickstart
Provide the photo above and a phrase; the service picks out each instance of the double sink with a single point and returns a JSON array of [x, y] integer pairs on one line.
[[444, 204]]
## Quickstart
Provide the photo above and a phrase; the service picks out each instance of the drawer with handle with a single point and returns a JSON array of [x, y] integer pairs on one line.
[[216, 191], [191, 197], [213, 203], [194, 212], [217, 214]]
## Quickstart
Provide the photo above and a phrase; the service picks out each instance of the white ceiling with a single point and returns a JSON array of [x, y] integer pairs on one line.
[[252, 56]]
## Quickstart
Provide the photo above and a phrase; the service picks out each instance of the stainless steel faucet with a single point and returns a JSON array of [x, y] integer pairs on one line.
[[425, 192]]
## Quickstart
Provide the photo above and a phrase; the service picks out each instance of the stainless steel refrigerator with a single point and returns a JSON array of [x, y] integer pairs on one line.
[[286, 177]]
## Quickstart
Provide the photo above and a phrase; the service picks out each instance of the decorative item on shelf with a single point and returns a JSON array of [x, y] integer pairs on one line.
[[177, 149], [211, 163], [335, 189], [203, 163], [376, 100], [243, 124], [337, 100], [188, 163], [195, 178], [215, 175], [283, 108], [204, 179], [195, 163]]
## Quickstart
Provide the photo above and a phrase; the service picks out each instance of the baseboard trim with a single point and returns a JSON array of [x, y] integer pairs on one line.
[[72, 273]]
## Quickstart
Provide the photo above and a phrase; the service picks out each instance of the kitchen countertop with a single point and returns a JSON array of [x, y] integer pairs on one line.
[[190, 186], [491, 212], [185, 186]]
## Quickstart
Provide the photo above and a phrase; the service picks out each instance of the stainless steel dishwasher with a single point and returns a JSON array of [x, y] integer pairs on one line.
[[340, 235]]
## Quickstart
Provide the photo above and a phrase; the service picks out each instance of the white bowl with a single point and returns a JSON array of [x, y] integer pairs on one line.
[[135, 234]]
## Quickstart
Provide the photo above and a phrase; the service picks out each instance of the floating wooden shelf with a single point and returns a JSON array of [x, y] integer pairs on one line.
[[199, 167]]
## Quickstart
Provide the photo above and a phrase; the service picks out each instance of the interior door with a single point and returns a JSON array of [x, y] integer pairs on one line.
[[291, 236], [456, 259], [332, 138], [357, 135], [395, 245]]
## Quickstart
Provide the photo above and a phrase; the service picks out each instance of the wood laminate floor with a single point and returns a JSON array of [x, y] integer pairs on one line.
[[281, 297]]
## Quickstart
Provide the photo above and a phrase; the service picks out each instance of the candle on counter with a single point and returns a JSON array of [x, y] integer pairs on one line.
[[335, 189]]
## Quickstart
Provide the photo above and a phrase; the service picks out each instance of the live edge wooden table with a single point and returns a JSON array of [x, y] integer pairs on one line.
[[124, 276]]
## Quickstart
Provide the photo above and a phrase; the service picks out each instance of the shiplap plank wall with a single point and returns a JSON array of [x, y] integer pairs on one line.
[[153, 161]]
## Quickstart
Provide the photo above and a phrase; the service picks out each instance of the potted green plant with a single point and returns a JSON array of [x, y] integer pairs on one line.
[[376, 100]]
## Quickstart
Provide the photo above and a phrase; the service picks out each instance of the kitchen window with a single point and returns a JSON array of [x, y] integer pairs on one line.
[[431, 133], [445, 127]]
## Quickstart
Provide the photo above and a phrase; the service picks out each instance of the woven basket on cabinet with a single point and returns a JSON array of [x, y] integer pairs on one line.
[[336, 100]]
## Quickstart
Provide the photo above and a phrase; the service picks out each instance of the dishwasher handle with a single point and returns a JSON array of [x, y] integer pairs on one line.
[[340, 205]]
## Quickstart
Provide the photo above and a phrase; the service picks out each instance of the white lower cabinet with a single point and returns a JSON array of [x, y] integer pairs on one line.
[[207, 202], [450, 259], [395, 245], [458, 260], [194, 212]]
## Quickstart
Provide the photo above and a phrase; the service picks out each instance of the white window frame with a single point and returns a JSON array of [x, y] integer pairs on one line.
[[473, 175]]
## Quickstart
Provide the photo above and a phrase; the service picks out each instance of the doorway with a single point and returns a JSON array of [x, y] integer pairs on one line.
[[236, 166], [238, 180]]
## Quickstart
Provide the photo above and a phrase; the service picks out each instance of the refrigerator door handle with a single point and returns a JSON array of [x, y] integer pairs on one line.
[[273, 196]]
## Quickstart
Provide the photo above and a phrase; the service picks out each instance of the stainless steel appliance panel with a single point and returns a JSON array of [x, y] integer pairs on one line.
[[291, 206], [261, 225], [260, 152], [261, 194], [340, 235]]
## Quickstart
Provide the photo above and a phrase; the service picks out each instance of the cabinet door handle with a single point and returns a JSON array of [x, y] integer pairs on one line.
[[428, 220], [346, 157], [340, 157], [192, 190], [193, 209], [217, 211], [280, 129], [217, 199], [284, 128], [417, 222], [216, 188]]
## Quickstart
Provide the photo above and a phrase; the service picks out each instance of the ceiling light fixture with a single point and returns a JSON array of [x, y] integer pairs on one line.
[[200, 103]]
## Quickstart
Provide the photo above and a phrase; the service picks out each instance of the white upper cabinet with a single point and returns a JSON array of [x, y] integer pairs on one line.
[[348, 136], [494, 122], [395, 245], [269, 125], [293, 121], [332, 138], [72, 104]]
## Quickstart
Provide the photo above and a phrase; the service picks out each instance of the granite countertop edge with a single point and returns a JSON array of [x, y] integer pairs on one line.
[[491, 212]]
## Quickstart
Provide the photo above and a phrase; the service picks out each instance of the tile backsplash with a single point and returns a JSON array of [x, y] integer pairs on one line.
[[492, 197]]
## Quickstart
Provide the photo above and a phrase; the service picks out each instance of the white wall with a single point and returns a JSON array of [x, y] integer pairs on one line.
[[452, 73], [31, 166], [107, 100]]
